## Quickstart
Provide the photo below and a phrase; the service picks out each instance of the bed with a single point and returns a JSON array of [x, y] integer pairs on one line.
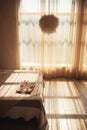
[[15, 104]]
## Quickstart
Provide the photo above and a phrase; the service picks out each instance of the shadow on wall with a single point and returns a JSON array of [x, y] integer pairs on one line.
[[9, 48]]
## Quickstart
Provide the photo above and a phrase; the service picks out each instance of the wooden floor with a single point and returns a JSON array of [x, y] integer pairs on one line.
[[65, 103]]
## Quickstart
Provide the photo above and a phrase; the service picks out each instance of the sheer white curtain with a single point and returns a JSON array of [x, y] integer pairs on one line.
[[29, 32], [57, 54]]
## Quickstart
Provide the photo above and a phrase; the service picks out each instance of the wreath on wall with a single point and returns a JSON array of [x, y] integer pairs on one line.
[[48, 23]]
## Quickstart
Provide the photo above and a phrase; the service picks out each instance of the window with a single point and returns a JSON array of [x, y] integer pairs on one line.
[[60, 51]]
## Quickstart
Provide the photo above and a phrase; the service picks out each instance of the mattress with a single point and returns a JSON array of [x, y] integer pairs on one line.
[[11, 81]]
